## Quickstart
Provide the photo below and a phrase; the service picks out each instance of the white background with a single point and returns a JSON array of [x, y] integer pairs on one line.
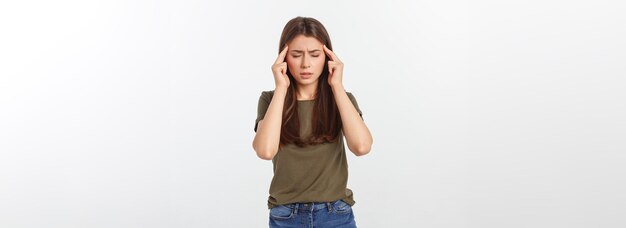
[[484, 113]]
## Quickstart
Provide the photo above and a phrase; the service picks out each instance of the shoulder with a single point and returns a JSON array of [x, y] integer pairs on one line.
[[351, 96], [353, 100], [268, 92], [267, 95]]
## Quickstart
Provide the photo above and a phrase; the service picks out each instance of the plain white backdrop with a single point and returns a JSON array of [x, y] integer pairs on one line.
[[484, 113]]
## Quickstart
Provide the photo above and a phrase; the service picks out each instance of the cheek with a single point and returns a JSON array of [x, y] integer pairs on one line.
[[319, 63], [291, 63]]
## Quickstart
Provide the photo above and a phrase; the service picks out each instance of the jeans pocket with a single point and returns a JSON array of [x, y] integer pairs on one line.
[[341, 207], [281, 212]]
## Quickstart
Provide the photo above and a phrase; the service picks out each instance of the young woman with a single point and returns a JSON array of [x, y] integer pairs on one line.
[[300, 126]]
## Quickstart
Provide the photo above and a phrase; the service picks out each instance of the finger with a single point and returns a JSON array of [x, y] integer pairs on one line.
[[282, 54], [330, 53], [332, 65], [283, 69]]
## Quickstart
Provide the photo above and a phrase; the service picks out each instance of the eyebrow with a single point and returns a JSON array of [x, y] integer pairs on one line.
[[300, 51]]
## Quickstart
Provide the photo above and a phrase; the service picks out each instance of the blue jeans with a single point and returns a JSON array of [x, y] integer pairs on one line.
[[336, 214]]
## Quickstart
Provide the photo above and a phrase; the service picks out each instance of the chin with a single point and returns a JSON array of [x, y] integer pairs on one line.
[[307, 81]]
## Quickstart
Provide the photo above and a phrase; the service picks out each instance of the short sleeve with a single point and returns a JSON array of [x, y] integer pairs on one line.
[[264, 103], [356, 105]]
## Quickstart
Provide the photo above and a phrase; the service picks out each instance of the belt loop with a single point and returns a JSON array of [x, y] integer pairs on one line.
[[296, 211], [328, 205]]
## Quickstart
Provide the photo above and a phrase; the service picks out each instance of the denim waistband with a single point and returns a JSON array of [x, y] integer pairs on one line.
[[310, 206]]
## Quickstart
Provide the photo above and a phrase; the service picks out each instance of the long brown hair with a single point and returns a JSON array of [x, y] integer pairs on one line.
[[326, 121]]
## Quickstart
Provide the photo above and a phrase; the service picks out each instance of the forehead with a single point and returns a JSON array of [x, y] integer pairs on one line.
[[302, 42]]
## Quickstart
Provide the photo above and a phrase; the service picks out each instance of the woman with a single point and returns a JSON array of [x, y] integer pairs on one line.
[[300, 127]]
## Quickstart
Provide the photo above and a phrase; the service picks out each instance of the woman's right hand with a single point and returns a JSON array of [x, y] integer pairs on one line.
[[280, 70]]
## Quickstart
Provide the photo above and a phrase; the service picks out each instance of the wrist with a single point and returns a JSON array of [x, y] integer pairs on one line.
[[280, 89], [337, 88]]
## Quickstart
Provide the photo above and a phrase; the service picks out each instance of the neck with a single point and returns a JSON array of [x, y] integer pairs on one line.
[[306, 92]]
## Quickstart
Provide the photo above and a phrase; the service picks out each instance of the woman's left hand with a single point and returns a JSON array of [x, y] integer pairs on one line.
[[335, 68]]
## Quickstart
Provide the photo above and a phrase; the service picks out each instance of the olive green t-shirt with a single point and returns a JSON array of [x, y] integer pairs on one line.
[[317, 173]]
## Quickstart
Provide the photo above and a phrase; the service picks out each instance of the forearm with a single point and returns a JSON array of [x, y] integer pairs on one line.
[[358, 136], [267, 138]]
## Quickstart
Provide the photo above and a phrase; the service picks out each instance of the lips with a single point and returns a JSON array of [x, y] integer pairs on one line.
[[306, 75]]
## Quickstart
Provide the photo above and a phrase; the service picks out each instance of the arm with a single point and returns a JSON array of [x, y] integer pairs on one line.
[[358, 136], [267, 138]]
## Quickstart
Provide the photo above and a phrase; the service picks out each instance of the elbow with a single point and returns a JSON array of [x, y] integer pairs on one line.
[[362, 149], [264, 154]]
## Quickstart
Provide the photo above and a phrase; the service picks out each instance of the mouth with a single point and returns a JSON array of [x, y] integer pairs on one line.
[[306, 75]]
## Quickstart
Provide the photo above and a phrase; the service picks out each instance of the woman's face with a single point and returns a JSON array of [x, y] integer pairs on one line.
[[305, 59]]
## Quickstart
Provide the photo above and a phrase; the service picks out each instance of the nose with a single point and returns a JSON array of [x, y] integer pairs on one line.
[[305, 62]]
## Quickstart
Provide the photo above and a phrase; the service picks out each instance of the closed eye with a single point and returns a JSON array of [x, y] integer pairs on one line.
[[295, 56], [298, 53]]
